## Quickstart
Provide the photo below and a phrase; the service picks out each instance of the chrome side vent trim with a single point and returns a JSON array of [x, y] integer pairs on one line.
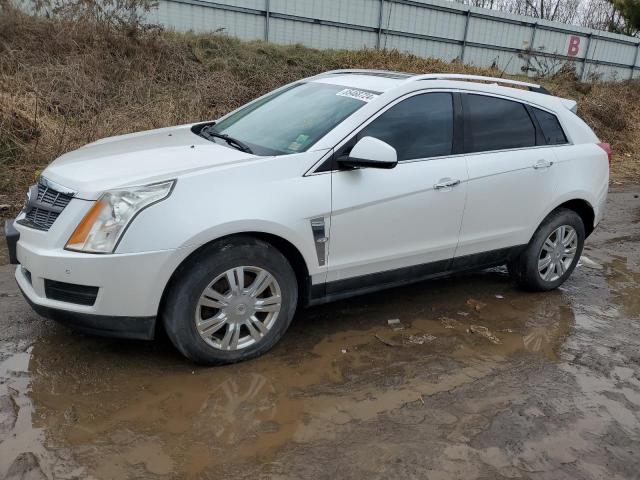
[[320, 239]]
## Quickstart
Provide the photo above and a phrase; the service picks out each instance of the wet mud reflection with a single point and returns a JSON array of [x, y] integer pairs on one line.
[[128, 408]]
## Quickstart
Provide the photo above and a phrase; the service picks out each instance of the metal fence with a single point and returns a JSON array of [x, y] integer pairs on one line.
[[427, 28]]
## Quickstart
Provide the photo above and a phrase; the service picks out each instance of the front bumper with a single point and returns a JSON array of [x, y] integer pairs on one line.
[[129, 286], [139, 328], [12, 236]]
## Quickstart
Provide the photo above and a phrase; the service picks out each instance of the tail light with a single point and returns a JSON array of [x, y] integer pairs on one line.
[[607, 148]]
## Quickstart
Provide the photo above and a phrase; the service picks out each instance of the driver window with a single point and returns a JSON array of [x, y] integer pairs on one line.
[[418, 127]]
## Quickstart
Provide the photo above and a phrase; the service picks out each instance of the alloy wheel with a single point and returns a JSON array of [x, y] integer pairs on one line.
[[238, 308], [557, 253]]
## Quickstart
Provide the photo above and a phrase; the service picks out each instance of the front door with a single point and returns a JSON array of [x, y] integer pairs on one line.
[[388, 226]]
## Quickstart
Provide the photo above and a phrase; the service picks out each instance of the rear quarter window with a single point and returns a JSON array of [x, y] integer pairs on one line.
[[551, 128]]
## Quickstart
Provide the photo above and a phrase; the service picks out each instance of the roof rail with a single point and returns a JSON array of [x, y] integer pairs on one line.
[[356, 71], [534, 87]]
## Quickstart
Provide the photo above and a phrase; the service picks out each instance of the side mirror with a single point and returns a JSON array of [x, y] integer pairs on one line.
[[371, 152]]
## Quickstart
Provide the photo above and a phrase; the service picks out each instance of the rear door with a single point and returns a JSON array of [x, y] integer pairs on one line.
[[393, 225], [511, 177]]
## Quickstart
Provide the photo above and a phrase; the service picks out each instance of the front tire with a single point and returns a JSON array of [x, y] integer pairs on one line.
[[231, 302], [552, 254]]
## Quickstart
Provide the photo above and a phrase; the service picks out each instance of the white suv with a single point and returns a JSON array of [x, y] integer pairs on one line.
[[337, 185]]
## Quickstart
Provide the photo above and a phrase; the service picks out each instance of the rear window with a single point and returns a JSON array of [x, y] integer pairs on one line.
[[497, 124], [551, 129]]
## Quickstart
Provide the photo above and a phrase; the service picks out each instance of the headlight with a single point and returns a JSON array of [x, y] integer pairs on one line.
[[102, 227]]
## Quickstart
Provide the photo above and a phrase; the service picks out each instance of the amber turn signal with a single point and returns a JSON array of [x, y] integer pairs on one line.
[[81, 232]]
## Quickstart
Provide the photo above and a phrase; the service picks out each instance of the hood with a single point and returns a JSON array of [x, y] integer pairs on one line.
[[138, 158]]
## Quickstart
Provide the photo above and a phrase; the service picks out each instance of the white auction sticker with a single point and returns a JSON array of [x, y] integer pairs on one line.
[[357, 94]]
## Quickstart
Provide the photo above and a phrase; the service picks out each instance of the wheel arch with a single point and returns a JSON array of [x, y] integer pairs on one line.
[[284, 246], [584, 209], [576, 203]]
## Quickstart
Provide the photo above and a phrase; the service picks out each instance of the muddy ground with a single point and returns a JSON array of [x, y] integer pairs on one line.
[[478, 380]]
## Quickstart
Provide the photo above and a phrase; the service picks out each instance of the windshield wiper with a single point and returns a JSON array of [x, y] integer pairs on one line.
[[208, 133]]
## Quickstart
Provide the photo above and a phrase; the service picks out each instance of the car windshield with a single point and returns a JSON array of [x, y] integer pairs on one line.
[[292, 120]]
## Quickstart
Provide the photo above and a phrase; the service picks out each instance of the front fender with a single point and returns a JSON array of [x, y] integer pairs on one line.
[[271, 196]]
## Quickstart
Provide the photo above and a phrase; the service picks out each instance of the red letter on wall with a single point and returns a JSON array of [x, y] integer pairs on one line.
[[574, 46]]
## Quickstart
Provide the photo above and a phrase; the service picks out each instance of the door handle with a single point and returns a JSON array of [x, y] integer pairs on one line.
[[446, 183], [540, 164]]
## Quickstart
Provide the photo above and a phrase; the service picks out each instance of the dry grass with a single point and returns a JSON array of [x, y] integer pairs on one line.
[[613, 111], [63, 84]]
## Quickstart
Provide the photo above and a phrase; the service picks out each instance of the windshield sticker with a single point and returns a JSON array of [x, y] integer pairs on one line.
[[299, 142], [357, 94]]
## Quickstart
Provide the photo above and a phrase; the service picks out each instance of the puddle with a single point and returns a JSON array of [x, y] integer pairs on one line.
[[16, 409], [127, 408], [625, 283]]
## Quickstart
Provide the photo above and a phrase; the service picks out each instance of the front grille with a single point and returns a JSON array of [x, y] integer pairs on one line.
[[70, 293], [49, 196], [41, 219], [44, 209]]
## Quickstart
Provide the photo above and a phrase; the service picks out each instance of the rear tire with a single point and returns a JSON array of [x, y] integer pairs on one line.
[[231, 302], [552, 254]]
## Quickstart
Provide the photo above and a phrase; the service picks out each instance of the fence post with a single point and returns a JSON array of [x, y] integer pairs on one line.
[[379, 40], [464, 38], [267, 7], [583, 75], [532, 42], [635, 61]]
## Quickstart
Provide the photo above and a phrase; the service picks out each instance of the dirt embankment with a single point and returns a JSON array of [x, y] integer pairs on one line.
[[63, 84]]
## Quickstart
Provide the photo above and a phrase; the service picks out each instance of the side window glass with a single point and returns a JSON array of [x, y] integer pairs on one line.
[[418, 127], [551, 129], [497, 124]]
